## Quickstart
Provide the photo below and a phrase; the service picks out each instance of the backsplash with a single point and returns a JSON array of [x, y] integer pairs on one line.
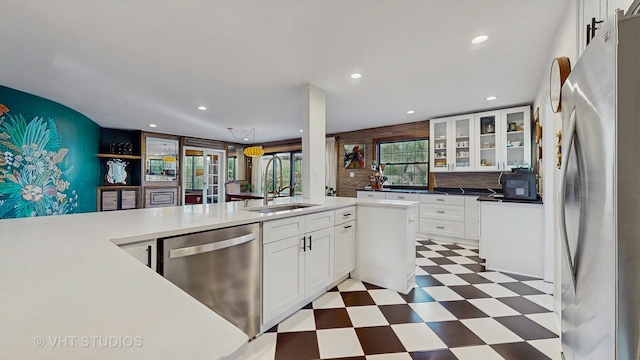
[[468, 180]]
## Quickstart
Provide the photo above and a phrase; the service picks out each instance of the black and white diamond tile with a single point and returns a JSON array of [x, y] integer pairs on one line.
[[457, 310]]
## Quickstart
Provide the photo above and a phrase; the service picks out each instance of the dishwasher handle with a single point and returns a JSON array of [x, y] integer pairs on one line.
[[218, 245]]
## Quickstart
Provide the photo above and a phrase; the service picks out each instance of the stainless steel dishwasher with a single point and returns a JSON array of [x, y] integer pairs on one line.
[[221, 269]]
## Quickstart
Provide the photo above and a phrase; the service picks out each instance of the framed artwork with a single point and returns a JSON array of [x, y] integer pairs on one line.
[[354, 156]]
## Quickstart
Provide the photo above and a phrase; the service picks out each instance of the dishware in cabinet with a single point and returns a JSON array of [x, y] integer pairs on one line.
[[452, 143], [503, 139], [487, 145], [516, 125]]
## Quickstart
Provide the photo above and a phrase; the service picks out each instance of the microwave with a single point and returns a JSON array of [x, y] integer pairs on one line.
[[519, 185]]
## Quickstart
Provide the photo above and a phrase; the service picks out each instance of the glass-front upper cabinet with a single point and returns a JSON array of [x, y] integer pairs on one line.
[[452, 143], [439, 133], [488, 156], [516, 124], [462, 127]]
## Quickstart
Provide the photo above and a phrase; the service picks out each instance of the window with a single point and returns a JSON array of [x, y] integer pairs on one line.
[[289, 160], [406, 162], [231, 168], [194, 172]]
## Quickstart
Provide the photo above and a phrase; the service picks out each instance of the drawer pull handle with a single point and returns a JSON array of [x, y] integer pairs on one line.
[[346, 214], [440, 212], [348, 226], [400, 197], [439, 199], [440, 227]]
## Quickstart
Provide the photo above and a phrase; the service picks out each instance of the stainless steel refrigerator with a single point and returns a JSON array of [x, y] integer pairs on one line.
[[599, 217]]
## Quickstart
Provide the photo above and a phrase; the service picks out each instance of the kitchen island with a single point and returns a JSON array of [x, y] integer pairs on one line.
[[70, 292]]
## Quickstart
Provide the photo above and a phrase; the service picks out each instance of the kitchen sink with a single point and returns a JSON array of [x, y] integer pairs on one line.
[[268, 209]]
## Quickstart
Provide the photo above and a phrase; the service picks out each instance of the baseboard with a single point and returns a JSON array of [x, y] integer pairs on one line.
[[448, 239]]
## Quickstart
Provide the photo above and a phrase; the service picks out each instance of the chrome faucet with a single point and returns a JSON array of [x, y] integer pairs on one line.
[[266, 172]]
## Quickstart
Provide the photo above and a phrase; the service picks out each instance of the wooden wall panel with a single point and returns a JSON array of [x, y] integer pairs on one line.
[[347, 186]]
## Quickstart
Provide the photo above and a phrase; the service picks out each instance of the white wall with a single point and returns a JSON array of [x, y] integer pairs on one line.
[[570, 42], [565, 45]]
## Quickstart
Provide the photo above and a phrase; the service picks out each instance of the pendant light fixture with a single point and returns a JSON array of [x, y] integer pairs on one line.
[[251, 151]]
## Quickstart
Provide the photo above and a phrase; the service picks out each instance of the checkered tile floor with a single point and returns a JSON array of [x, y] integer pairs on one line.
[[456, 311]]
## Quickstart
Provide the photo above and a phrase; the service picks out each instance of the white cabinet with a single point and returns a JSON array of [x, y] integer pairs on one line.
[[345, 242], [283, 276], [488, 141], [452, 218], [385, 247], [345, 247], [600, 10], [472, 218], [318, 260], [371, 195], [503, 139], [144, 251], [511, 238], [298, 261], [452, 143]]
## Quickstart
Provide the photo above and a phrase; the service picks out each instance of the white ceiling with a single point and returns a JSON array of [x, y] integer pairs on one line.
[[128, 63]]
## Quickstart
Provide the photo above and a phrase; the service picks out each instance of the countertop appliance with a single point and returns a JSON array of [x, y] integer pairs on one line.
[[221, 269], [599, 199], [520, 184]]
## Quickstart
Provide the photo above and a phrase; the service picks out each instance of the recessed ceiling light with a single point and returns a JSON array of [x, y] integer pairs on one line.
[[203, 108], [156, 154], [356, 76], [410, 112], [479, 39], [301, 130], [246, 139], [491, 98], [161, 153], [152, 125]]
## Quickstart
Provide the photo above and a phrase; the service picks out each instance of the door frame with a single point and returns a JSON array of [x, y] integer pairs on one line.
[[222, 171]]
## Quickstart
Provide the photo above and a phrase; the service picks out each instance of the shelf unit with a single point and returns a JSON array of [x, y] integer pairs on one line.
[[116, 156], [120, 197]]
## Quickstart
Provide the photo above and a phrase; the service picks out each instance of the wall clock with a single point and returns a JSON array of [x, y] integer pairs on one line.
[[560, 69]]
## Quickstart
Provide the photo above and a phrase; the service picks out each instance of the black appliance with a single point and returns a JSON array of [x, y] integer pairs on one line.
[[519, 184]]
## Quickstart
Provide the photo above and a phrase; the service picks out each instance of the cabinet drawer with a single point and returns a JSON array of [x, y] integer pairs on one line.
[[344, 215], [318, 221], [109, 200], [371, 195], [281, 229], [442, 227], [442, 199], [129, 199], [444, 212], [402, 196]]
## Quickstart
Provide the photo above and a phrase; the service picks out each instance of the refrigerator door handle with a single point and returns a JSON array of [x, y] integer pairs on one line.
[[562, 221]]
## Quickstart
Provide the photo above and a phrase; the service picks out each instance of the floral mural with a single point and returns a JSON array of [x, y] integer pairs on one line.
[[33, 173]]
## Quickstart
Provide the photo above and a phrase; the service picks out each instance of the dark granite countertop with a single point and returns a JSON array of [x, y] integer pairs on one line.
[[442, 191], [501, 199]]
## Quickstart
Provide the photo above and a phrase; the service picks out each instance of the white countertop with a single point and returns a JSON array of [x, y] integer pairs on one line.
[[63, 278]]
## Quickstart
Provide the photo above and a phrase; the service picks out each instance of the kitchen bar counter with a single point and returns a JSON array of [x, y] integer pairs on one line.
[[70, 292]]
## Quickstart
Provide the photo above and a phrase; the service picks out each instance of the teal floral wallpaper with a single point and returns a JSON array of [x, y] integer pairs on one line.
[[48, 163]]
